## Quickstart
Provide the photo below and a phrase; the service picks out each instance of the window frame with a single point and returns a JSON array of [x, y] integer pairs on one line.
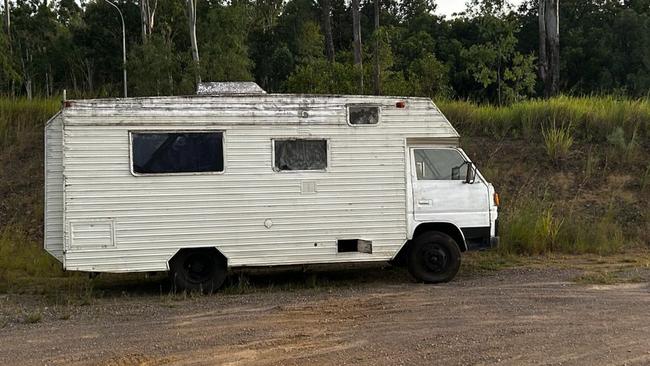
[[347, 114], [457, 150], [160, 131], [292, 138]]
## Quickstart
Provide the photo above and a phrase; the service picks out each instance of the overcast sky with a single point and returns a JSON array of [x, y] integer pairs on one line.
[[448, 7]]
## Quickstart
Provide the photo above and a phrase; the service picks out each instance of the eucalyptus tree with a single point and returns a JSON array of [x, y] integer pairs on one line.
[[549, 45]]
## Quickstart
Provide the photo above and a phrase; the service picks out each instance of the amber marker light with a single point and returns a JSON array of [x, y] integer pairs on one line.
[[497, 200], [400, 104]]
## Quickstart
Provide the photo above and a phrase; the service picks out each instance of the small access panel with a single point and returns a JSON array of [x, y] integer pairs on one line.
[[354, 245]]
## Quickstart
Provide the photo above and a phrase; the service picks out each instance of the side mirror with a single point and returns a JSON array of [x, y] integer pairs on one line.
[[471, 173]]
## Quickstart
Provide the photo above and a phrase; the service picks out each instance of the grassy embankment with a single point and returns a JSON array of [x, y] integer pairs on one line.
[[21, 189], [573, 174]]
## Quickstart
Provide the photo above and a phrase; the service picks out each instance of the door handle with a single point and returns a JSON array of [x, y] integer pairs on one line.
[[424, 202]]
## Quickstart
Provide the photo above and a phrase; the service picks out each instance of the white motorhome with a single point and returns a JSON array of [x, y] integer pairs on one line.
[[199, 184]]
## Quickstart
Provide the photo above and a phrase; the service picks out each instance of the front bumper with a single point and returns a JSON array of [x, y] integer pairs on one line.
[[485, 243]]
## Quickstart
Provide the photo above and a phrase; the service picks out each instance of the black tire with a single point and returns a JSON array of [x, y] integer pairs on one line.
[[202, 269], [434, 257]]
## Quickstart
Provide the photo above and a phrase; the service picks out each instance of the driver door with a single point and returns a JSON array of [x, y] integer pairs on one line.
[[440, 193]]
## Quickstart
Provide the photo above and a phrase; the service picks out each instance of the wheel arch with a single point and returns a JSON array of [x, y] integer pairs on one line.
[[207, 250], [443, 227]]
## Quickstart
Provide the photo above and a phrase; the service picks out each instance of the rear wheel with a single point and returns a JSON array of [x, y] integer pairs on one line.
[[202, 269], [434, 257]]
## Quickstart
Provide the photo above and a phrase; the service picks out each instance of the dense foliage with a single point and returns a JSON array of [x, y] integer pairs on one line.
[[486, 54]]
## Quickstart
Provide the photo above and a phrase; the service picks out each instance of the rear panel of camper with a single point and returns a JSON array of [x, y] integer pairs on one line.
[[117, 221], [53, 230]]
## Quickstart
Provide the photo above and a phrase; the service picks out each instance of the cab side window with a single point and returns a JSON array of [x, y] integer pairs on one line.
[[439, 164]]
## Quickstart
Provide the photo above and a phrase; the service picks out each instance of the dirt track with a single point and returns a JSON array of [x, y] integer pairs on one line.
[[511, 317]]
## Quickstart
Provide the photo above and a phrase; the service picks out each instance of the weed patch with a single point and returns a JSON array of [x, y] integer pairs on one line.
[[33, 317], [597, 278]]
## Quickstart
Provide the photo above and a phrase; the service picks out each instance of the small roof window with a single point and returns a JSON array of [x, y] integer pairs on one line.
[[363, 114]]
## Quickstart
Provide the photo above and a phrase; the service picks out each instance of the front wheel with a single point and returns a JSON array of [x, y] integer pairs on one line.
[[434, 257], [202, 269]]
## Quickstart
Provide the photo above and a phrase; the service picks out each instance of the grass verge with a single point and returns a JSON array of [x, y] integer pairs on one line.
[[592, 118]]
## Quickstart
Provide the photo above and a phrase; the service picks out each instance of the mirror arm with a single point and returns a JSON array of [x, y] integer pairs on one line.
[[470, 177]]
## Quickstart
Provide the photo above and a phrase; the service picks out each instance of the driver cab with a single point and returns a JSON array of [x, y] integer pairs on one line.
[[447, 188]]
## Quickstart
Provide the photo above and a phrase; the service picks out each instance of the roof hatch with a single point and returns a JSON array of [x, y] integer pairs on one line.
[[229, 87]]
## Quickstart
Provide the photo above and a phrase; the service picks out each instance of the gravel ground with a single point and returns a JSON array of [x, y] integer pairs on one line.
[[509, 317]]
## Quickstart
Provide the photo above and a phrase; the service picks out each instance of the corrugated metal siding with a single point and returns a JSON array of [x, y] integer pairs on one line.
[[54, 187], [362, 195]]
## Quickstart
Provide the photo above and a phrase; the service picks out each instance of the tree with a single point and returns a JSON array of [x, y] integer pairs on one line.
[[429, 77], [323, 77], [147, 15], [7, 19], [9, 73], [630, 52], [484, 54], [377, 70], [341, 24], [549, 46], [308, 43], [224, 44], [412, 9], [266, 13], [356, 36], [68, 11], [191, 17], [35, 33], [153, 67], [326, 26], [392, 80], [493, 62]]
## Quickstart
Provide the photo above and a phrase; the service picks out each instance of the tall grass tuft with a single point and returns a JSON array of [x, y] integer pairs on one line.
[[644, 181], [557, 142]]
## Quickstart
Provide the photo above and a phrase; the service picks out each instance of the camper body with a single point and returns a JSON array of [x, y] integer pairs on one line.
[[190, 183]]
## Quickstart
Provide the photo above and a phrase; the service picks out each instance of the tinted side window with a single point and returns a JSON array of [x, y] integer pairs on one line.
[[300, 154], [439, 164], [177, 152], [363, 115]]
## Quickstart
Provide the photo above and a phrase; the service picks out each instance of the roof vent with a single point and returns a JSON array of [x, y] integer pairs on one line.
[[229, 87]]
